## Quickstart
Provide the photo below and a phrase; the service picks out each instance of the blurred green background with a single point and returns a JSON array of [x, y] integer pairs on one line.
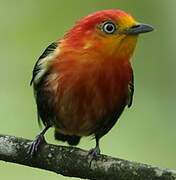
[[145, 133]]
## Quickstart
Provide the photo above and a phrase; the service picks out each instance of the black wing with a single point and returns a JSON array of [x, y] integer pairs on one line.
[[131, 90], [37, 67]]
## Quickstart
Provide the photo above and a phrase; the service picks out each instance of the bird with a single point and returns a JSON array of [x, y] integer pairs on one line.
[[83, 81]]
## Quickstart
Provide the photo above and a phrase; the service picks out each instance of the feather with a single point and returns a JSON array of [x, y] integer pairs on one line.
[[40, 67]]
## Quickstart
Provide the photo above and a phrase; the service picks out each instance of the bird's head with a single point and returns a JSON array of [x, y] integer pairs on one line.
[[106, 33]]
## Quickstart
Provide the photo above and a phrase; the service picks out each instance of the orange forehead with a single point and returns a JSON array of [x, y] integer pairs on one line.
[[122, 18]]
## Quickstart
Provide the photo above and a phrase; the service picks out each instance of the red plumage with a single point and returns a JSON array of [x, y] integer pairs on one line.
[[83, 82]]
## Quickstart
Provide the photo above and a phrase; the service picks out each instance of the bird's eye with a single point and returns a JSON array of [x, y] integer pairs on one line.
[[109, 28]]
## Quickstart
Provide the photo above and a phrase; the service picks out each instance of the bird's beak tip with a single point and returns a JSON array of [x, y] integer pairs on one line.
[[138, 29]]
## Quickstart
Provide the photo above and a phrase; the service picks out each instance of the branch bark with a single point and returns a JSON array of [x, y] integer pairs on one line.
[[73, 162]]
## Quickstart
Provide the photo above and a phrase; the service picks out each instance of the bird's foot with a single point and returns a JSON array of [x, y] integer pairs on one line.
[[35, 145], [93, 153]]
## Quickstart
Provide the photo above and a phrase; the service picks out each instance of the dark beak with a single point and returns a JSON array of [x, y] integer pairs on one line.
[[138, 28]]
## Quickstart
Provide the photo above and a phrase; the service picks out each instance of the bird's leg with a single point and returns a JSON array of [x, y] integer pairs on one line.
[[93, 153], [37, 142]]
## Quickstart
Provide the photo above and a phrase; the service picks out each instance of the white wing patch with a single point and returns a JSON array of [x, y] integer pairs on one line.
[[43, 63]]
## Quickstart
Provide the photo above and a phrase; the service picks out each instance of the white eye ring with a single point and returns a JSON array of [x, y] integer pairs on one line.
[[109, 28]]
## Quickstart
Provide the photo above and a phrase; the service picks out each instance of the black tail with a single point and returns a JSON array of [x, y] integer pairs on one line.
[[72, 140]]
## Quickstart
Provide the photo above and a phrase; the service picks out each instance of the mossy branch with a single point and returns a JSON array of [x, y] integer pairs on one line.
[[73, 162]]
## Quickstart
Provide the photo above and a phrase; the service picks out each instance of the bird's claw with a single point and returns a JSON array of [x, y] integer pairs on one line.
[[93, 153], [34, 146]]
